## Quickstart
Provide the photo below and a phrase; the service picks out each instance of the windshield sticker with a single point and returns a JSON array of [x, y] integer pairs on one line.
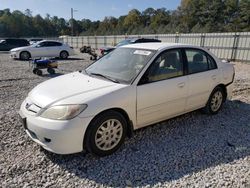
[[142, 52]]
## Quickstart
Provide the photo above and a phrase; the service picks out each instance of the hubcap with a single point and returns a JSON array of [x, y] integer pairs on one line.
[[64, 55], [109, 134], [216, 101]]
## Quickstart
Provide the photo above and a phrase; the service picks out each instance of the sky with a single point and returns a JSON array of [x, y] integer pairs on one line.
[[88, 9]]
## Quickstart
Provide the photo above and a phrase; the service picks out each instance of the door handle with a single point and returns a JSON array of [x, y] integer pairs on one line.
[[214, 77], [182, 84]]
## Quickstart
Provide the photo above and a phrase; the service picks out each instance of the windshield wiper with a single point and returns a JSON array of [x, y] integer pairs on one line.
[[104, 76]]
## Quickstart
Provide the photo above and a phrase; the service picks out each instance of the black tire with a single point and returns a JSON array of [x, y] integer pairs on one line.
[[35, 70], [51, 70], [64, 55], [25, 55], [39, 72], [215, 101], [109, 135]]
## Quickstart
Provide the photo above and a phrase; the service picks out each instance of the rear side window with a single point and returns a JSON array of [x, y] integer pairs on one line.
[[54, 44], [199, 61]]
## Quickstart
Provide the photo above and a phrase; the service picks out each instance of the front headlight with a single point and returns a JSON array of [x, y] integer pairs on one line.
[[63, 112], [14, 51]]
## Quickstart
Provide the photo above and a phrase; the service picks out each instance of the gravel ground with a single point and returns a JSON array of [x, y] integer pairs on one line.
[[193, 150]]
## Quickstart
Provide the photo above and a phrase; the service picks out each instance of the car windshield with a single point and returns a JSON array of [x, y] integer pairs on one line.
[[35, 44], [121, 65], [124, 42]]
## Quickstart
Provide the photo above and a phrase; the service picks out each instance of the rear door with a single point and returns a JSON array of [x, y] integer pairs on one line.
[[202, 77], [54, 48], [162, 90]]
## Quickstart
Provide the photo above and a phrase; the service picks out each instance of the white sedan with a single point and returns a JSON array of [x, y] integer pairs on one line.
[[132, 87], [43, 48]]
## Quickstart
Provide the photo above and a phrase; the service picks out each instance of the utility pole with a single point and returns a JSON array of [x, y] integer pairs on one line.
[[72, 21]]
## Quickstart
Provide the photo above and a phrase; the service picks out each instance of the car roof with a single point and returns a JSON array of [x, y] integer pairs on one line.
[[135, 39], [157, 45]]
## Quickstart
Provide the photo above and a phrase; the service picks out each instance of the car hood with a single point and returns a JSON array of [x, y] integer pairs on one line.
[[64, 89], [20, 48]]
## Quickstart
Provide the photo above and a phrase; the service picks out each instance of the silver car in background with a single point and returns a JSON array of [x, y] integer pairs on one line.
[[45, 48]]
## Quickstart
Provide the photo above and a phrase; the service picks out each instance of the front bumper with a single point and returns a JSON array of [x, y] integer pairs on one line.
[[14, 55], [61, 137]]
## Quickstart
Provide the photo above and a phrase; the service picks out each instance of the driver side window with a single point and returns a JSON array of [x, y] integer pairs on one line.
[[167, 65]]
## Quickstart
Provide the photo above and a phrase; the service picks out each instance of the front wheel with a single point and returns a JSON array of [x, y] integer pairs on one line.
[[106, 133], [25, 55], [39, 72], [51, 70], [215, 101]]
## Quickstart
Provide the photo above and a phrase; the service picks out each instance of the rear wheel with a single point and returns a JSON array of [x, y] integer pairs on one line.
[[51, 70], [25, 55], [215, 101], [35, 70], [39, 72], [64, 55], [106, 133]]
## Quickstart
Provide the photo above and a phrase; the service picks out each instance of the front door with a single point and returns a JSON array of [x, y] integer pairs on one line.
[[41, 50], [162, 91]]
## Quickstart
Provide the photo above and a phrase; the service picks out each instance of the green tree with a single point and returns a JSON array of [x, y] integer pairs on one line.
[[161, 17], [244, 15], [132, 20]]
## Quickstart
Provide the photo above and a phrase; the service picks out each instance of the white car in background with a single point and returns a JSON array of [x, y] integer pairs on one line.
[[45, 48], [131, 87]]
